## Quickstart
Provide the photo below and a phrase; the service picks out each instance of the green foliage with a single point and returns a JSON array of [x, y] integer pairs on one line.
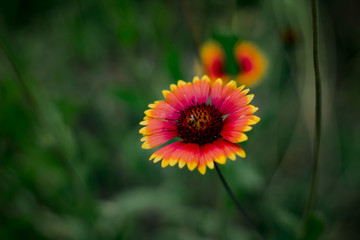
[[314, 227]]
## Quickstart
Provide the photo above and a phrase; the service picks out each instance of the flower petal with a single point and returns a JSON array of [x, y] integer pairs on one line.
[[237, 123], [175, 155], [230, 149], [210, 153], [161, 153], [234, 136], [234, 101], [227, 92], [151, 141], [192, 155], [173, 100], [201, 89], [162, 110], [228, 89], [216, 92], [184, 92], [157, 126], [237, 119]]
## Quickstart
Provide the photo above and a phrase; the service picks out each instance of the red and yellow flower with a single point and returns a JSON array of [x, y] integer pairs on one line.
[[251, 62], [213, 59], [209, 119]]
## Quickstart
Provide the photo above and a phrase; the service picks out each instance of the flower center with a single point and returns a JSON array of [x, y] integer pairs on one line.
[[200, 123]]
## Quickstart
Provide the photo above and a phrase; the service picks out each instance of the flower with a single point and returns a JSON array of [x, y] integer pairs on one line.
[[209, 119], [213, 58], [251, 62]]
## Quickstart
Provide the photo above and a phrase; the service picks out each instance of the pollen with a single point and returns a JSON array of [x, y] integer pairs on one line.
[[200, 123]]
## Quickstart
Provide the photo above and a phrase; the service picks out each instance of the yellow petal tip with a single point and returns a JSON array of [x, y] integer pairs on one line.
[[247, 128], [181, 83], [210, 164], [232, 156], [143, 131], [241, 153], [173, 162], [231, 84], [243, 138], [249, 98], [202, 169], [143, 123], [218, 81], [148, 112], [254, 120], [164, 163], [173, 87], [145, 145], [221, 160], [182, 163], [165, 93], [192, 165], [152, 156], [205, 78], [196, 79], [158, 158]]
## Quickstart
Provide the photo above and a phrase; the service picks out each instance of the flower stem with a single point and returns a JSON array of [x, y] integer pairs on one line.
[[193, 30], [314, 180], [248, 219], [19, 75]]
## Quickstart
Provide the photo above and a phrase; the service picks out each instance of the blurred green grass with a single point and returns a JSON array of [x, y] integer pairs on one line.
[[75, 78]]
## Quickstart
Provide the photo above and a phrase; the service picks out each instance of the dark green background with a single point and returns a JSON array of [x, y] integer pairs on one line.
[[76, 77]]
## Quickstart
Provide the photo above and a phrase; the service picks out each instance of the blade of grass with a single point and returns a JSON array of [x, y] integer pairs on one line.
[[315, 171]]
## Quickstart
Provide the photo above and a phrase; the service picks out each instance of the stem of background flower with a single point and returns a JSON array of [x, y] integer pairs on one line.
[[249, 220], [193, 30], [314, 180]]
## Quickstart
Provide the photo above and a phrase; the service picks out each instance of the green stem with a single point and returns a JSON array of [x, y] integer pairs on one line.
[[248, 219], [19, 76], [314, 180], [192, 26]]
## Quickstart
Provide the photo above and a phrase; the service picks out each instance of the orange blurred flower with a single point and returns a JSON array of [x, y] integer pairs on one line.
[[213, 59], [252, 63]]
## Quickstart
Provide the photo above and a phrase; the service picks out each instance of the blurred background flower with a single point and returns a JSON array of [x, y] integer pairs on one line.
[[213, 60], [251, 62], [76, 76]]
